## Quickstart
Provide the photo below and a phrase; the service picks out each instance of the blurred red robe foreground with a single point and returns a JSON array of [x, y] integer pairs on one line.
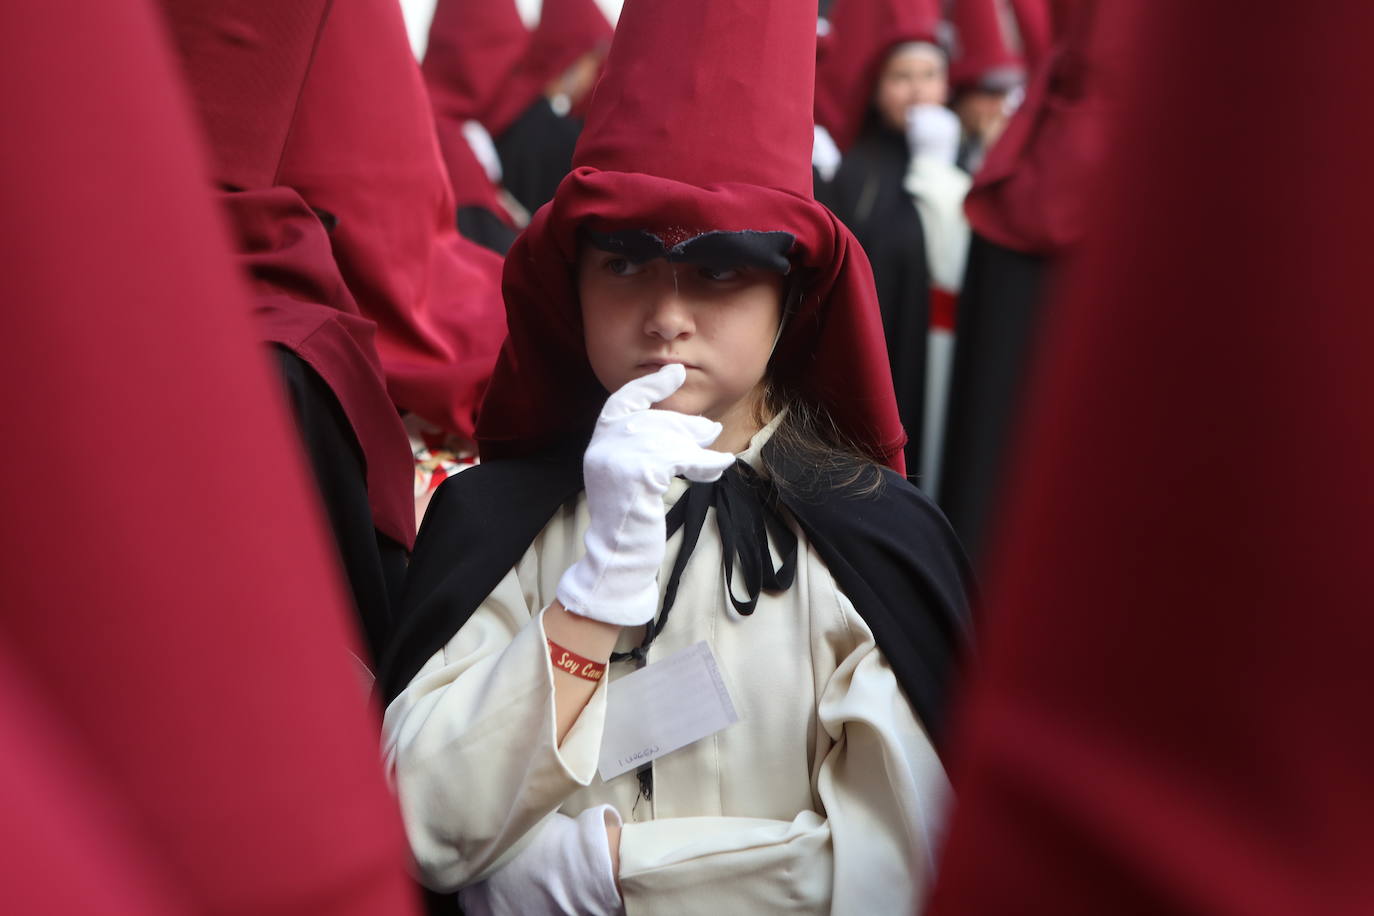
[[175, 628], [1173, 710]]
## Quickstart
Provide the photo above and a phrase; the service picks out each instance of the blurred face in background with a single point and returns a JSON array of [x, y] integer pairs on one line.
[[914, 74], [983, 113]]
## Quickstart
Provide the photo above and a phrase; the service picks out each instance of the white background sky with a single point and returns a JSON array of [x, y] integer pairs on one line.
[[419, 12]]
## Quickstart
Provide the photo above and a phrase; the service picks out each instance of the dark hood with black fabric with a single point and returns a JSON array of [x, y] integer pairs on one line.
[[892, 554]]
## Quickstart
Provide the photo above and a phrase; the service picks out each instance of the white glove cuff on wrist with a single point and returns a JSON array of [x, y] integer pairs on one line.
[[591, 826]]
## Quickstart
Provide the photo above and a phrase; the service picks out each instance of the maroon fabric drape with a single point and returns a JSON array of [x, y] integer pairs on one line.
[[69, 847], [245, 62], [567, 29], [473, 46], [363, 148], [173, 601], [1034, 191], [301, 303], [1035, 25], [862, 33], [1171, 712], [660, 152]]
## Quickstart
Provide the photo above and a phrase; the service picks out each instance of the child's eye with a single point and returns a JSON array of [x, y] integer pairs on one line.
[[621, 267], [720, 274]]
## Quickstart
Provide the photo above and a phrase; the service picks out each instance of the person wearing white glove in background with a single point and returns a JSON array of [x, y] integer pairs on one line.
[[938, 188], [884, 52], [691, 437]]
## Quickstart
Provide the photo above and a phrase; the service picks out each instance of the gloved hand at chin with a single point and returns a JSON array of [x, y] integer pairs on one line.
[[634, 454]]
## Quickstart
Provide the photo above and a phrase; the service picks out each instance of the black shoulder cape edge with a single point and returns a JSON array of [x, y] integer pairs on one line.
[[477, 527]]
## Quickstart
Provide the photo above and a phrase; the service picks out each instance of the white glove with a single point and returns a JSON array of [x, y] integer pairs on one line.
[[565, 870], [933, 130], [632, 459]]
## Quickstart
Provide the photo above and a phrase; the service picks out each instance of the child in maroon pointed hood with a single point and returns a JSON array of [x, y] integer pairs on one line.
[[738, 494]]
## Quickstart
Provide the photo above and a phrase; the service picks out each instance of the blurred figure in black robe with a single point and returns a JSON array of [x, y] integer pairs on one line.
[[866, 83]]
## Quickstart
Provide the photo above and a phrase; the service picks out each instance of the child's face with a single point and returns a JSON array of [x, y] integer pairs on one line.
[[719, 323], [910, 77]]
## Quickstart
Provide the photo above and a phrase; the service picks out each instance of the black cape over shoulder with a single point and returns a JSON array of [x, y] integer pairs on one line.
[[374, 564], [892, 554]]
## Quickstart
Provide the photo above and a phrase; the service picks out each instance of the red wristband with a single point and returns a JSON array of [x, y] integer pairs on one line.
[[574, 664]]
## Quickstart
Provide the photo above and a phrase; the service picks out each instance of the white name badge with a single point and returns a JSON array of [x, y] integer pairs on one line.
[[662, 707]]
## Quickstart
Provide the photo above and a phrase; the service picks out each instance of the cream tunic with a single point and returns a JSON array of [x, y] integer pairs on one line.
[[826, 796]]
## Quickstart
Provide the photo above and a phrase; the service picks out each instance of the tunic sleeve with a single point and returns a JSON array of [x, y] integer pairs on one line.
[[938, 190], [882, 790], [471, 746]]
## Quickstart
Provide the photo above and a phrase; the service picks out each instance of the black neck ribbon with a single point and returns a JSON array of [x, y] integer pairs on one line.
[[747, 511]]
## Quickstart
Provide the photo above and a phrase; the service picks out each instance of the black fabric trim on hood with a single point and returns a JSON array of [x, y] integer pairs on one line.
[[717, 248]]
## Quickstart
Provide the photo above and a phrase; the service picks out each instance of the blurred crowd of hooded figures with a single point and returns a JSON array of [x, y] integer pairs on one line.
[[402, 249], [1184, 627], [911, 98]]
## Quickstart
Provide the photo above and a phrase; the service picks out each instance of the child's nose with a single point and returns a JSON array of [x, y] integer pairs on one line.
[[669, 315]]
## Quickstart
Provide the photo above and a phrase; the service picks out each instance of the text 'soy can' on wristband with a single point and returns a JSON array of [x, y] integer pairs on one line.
[[570, 662]]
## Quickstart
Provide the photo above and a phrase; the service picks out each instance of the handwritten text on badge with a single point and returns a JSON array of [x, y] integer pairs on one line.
[[663, 707]]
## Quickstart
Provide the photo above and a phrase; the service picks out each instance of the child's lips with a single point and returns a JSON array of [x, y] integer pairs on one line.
[[654, 365]]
